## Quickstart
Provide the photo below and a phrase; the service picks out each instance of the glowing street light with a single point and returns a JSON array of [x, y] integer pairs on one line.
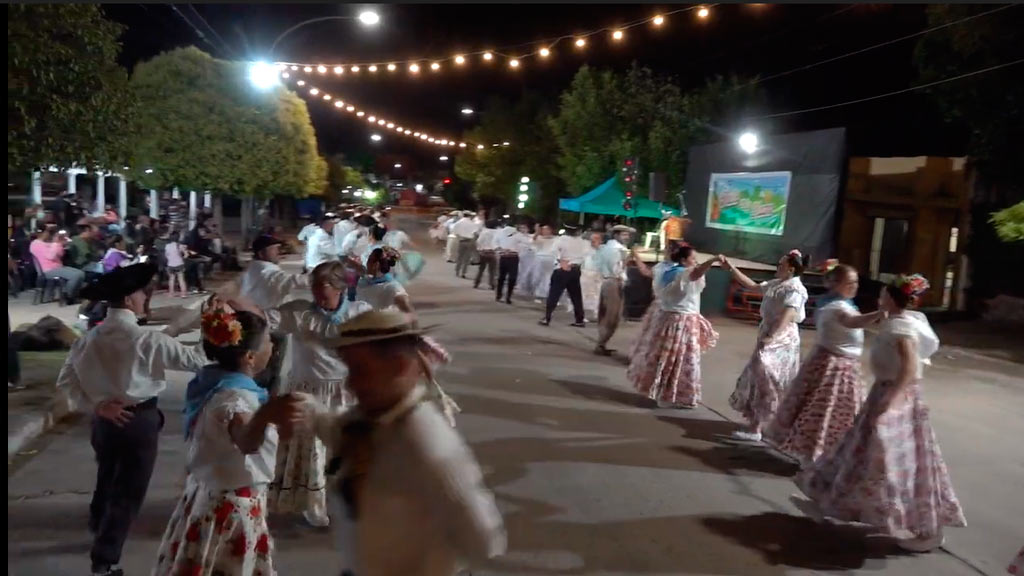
[[524, 197], [524, 180], [467, 111], [443, 158], [263, 76], [376, 137], [398, 165], [369, 18], [748, 142]]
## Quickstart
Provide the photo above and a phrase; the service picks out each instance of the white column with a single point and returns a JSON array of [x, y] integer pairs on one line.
[[191, 209], [37, 192], [154, 204], [101, 192], [72, 181], [175, 194], [207, 199], [122, 197]]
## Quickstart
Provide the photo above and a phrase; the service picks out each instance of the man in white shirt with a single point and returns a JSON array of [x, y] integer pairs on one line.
[[320, 245], [117, 369], [511, 242], [307, 230], [268, 286], [486, 244], [342, 228], [570, 250], [358, 238], [411, 495], [465, 230], [611, 264]]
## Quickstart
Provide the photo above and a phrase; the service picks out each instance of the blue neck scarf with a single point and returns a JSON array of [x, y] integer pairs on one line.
[[368, 281], [833, 297], [669, 275], [335, 317], [210, 380]]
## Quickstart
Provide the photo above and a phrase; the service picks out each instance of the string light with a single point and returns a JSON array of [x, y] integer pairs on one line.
[[581, 42], [435, 66], [703, 12], [355, 69], [488, 56], [338, 104], [339, 70], [513, 63], [617, 35], [285, 75], [307, 69], [321, 69], [544, 52], [460, 59], [658, 20], [301, 82], [392, 67], [414, 68], [294, 68], [327, 96]]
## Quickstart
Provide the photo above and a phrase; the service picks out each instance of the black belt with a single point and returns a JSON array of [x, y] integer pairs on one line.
[[144, 405], [510, 255]]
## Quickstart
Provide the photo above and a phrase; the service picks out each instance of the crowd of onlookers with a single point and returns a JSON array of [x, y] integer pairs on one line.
[[70, 246]]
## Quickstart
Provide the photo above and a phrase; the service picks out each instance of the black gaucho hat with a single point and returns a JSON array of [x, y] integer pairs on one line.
[[265, 241], [120, 282]]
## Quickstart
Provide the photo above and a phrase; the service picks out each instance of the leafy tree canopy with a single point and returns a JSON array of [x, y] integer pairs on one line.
[[203, 127], [1009, 223], [67, 99]]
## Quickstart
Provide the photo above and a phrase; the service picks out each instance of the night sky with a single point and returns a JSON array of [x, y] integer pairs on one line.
[[740, 38]]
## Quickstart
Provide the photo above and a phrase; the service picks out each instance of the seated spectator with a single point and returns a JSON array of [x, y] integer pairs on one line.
[[83, 253], [117, 254], [48, 250]]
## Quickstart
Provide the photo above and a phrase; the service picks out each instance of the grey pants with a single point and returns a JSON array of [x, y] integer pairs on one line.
[[125, 458], [609, 310], [488, 262], [463, 255]]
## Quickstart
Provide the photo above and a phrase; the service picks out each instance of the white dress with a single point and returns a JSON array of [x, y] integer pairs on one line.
[[219, 526], [299, 481], [380, 296]]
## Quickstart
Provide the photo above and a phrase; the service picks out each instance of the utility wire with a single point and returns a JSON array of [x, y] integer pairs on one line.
[[230, 50], [198, 32]]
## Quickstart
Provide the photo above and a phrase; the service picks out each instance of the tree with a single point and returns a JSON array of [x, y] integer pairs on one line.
[[67, 99], [203, 127], [340, 176], [605, 117], [1009, 223], [494, 171]]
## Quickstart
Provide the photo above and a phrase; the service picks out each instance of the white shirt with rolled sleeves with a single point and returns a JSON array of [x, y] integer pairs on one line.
[[119, 360], [835, 337], [306, 231], [268, 286], [465, 228], [571, 248], [681, 295], [424, 509], [512, 241], [356, 242], [487, 240], [319, 249], [340, 232], [311, 329]]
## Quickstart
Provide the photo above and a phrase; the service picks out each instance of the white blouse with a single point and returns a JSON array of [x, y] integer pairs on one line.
[[835, 337], [212, 457], [781, 294], [311, 361], [682, 295], [656, 274], [380, 296], [885, 356]]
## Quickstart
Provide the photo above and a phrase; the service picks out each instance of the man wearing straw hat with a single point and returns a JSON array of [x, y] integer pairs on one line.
[[411, 495]]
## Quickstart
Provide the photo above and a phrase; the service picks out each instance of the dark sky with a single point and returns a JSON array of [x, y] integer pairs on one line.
[[745, 39]]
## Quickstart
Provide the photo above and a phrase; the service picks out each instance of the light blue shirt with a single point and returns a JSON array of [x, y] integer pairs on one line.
[[610, 259]]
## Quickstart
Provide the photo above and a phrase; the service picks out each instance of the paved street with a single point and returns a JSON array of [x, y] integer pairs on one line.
[[590, 478]]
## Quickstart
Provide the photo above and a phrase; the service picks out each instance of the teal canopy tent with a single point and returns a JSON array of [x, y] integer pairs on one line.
[[607, 199]]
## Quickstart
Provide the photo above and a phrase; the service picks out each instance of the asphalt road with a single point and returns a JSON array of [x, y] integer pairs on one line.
[[590, 477]]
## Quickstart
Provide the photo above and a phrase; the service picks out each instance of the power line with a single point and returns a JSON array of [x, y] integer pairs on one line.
[[211, 29], [879, 45], [198, 32], [887, 94]]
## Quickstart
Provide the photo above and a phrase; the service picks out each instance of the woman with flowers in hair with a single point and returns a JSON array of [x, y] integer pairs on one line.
[[666, 361], [776, 357], [888, 471], [231, 426], [823, 400]]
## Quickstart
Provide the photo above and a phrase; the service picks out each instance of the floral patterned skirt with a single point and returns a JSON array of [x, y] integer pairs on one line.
[[819, 407], [887, 471], [665, 362], [1017, 566], [217, 533], [300, 481], [760, 387]]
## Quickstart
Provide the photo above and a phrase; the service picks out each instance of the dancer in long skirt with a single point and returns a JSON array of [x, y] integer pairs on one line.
[[888, 471], [823, 400], [219, 526], [590, 277], [654, 273], [299, 480], [665, 365], [776, 357], [544, 262]]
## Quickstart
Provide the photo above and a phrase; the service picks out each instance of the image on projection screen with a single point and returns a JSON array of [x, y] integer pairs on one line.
[[752, 202]]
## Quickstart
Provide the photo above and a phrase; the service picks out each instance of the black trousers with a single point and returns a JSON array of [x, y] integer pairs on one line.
[[125, 459], [270, 378], [508, 268], [488, 261], [561, 281]]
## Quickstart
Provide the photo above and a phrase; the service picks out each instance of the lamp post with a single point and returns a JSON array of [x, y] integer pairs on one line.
[[367, 18]]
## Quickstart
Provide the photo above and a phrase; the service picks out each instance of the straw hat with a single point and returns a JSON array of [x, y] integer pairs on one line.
[[377, 325]]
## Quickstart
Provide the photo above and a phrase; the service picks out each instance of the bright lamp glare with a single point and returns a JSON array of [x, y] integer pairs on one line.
[[523, 187], [369, 18], [369, 194], [523, 197], [375, 137], [262, 75], [443, 158], [524, 179], [521, 205], [467, 111], [748, 142]]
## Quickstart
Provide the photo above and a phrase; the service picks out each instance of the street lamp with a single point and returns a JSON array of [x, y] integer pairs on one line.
[[467, 111], [748, 142], [524, 197], [398, 165], [149, 170], [367, 18], [525, 180], [375, 137], [443, 158], [262, 75]]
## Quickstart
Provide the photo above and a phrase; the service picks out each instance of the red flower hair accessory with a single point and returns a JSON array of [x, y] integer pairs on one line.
[[830, 264], [913, 285], [221, 328], [796, 254]]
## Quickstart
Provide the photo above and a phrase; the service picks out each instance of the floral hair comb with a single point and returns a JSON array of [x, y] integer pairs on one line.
[[912, 285], [830, 264], [221, 328], [795, 253]]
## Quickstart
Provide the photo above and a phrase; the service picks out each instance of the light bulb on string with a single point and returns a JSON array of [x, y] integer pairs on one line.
[[617, 35], [392, 67], [391, 125], [355, 69], [479, 146], [382, 122], [339, 70], [513, 63], [435, 66], [282, 66], [360, 113], [703, 12], [581, 42], [462, 144], [460, 59], [488, 56], [414, 68], [307, 69], [372, 68], [294, 68], [285, 75], [327, 96], [658, 20], [544, 52], [321, 69], [338, 104], [301, 82], [350, 108]]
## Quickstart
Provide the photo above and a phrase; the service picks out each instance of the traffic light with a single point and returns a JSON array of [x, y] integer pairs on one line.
[[447, 181]]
